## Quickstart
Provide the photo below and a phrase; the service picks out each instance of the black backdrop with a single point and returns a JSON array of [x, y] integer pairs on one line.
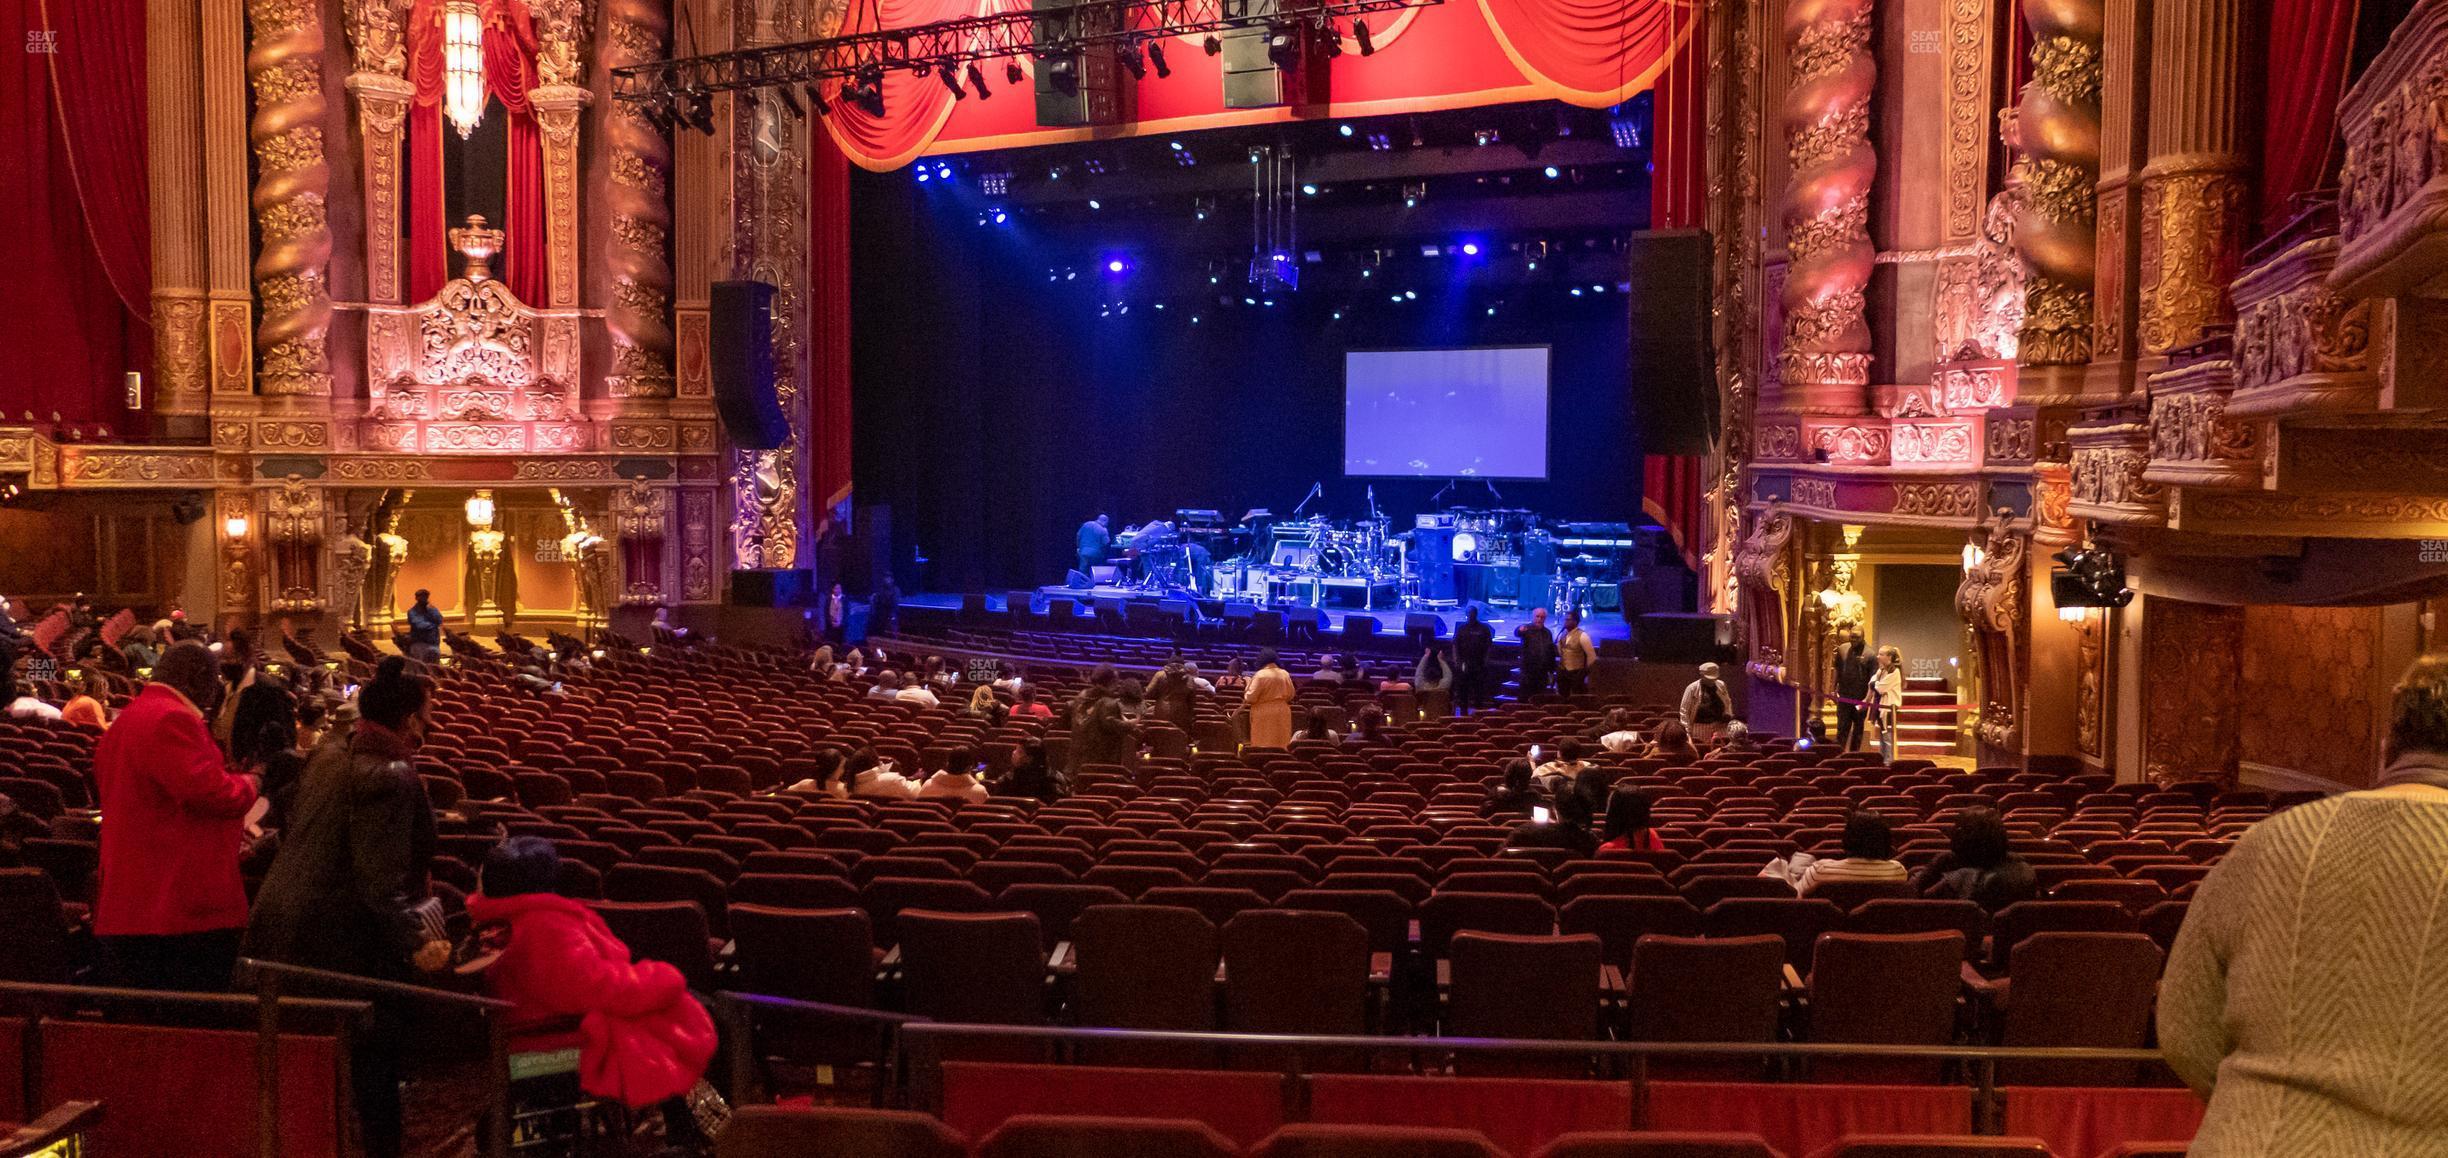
[[997, 409]]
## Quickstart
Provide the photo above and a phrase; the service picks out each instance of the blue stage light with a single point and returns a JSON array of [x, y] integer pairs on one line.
[[1176, 146], [924, 175], [1410, 295], [1308, 190], [1553, 172], [1576, 291], [944, 171], [1000, 217], [1117, 265], [1346, 130], [1093, 203], [1470, 249]]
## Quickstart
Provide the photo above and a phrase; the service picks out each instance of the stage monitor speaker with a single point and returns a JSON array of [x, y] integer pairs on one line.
[[1422, 627], [1674, 372], [1077, 580], [772, 588], [1085, 86], [740, 335]]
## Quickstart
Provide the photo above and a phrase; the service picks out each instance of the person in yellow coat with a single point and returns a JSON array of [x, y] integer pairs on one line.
[[1269, 698]]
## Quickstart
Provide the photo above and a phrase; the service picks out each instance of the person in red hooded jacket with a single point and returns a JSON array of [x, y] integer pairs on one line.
[[171, 909], [641, 1037]]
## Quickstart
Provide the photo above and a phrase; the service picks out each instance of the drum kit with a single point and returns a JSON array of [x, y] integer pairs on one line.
[[1354, 549]]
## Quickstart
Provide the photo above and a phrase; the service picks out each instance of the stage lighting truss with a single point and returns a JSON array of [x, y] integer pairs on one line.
[[1138, 28]]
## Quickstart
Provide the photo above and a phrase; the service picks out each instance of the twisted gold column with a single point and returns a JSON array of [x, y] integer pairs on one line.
[[292, 179], [638, 198], [2194, 189], [2058, 123], [1825, 360]]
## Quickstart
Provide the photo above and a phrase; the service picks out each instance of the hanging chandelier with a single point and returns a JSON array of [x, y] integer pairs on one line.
[[463, 85]]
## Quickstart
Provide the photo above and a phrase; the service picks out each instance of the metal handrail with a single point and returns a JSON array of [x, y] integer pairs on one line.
[[737, 1010], [922, 1048], [493, 1138]]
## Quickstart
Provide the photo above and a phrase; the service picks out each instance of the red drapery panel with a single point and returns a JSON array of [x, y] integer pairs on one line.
[[525, 266], [2307, 72], [68, 332], [1799, 1119], [829, 309], [1518, 1114], [1675, 496], [99, 74], [428, 250], [978, 1096], [1601, 51], [2076, 1120], [915, 106]]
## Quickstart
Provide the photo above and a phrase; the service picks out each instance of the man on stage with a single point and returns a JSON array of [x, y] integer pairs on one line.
[[1538, 654], [1094, 537], [1576, 655], [1471, 641]]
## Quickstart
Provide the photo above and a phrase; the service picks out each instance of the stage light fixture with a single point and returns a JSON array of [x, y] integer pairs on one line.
[[1309, 190], [1379, 142], [658, 114], [1156, 57], [1093, 203], [1013, 74], [1116, 265], [943, 171], [1345, 130], [1470, 249], [1362, 36], [1410, 295], [1627, 132], [1000, 216], [1211, 45], [1133, 59], [1063, 73], [1576, 291], [701, 113], [950, 77], [817, 101], [1194, 319], [925, 174], [790, 100], [977, 81], [1551, 172], [994, 184], [1486, 137], [1283, 46], [1095, 166], [1184, 157]]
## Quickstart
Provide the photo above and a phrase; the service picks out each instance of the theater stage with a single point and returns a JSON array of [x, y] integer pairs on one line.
[[1603, 626]]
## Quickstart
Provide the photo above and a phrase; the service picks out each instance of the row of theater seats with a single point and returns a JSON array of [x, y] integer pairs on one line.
[[774, 1132]]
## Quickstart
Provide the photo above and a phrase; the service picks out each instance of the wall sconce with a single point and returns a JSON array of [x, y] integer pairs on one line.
[[235, 527], [480, 509], [2073, 614], [1972, 556], [463, 83]]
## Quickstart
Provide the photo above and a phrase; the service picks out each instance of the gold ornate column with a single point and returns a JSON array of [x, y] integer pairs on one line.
[[638, 200], [1996, 614], [561, 38], [174, 153], [2194, 191], [286, 67], [230, 295], [237, 537], [380, 57], [2057, 125], [1736, 129], [1824, 361]]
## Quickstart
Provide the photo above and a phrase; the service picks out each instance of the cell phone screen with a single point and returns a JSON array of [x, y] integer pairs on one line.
[[1539, 814]]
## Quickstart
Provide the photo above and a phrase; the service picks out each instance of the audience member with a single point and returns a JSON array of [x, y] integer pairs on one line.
[[1433, 692], [140, 648], [1568, 828], [1106, 732], [1673, 744], [28, 706], [1980, 865], [1471, 641], [1316, 726], [2304, 994], [1515, 797], [1617, 733], [642, 1039], [1869, 855], [985, 705], [1575, 656], [1172, 697], [875, 778], [1032, 776], [1330, 670], [264, 743], [171, 911], [1538, 654], [424, 628], [1706, 706], [1627, 824], [1556, 776], [1736, 740], [1370, 728], [959, 779], [887, 686], [1028, 705], [1269, 699], [828, 779], [85, 707], [917, 692]]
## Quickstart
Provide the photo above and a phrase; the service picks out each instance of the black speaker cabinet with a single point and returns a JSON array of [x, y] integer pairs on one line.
[[1077, 85], [771, 588], [1671, 362], [740, 335], [1683, 637]]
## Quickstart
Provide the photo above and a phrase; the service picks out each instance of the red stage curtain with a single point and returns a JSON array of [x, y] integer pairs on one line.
[[68, 332], [978, 1096], [1598, 51], [1518, 1114], [1799, 1119], [99, 74], [2306, 74], [1673, 490], [829, 307], [2075, 1120]]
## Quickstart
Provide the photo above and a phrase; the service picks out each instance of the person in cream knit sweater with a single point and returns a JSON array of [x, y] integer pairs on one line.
[[2307, 995]]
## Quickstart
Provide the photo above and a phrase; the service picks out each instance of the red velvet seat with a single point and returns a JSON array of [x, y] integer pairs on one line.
[[790, 1132], [1317, 1140], [1055, 1136]]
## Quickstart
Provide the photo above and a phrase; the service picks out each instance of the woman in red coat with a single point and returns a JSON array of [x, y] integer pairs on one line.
[[641, 1037]]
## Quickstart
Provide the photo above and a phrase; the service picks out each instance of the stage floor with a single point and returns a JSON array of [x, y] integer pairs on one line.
[[1602, 625]]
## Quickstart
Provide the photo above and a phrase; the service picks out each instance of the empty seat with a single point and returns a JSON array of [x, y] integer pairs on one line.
[[1523, 987], [1799, 920], [973, 967], [1885, 989], [1912, 1146], [822, 955], [673, 932], [1144, 967], [1619, 922], [791, 1131], [1444, 914], [1295, 972], [1657, 1144], [1690, 989], [1318, 1140], [2080, 989]]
